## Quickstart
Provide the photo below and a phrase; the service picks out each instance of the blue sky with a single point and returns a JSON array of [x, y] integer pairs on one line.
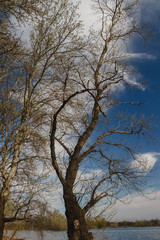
[[146, 59], [142, 208], [149, 70]]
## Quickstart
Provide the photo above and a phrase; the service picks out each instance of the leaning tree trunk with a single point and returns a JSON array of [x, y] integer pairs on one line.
[[77, 228], [1, 219]]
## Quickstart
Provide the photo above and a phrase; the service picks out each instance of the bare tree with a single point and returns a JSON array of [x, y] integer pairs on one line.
[[91, 149], [27, 77]]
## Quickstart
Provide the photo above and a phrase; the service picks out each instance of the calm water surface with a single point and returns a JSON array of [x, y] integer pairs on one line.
[[107, 234]]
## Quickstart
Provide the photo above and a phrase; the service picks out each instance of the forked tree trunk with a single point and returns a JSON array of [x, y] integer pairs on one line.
[[77, 228], [1, 219]]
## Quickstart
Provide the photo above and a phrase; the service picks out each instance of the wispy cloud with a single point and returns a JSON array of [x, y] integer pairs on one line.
[[141, 56]]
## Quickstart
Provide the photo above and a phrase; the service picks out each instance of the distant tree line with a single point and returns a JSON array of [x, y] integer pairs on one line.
[[101, 222], [55, 221]]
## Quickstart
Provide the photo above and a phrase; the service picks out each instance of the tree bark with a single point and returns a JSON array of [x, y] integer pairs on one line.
[[77, 228], [1, 218]]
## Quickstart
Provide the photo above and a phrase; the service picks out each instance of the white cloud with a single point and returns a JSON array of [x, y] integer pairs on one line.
[[146, 161], [92, 17], [141, 56], [86, 14], [140, 208]]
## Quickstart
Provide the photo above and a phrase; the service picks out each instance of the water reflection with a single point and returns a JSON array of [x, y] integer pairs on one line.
[[106, 234]]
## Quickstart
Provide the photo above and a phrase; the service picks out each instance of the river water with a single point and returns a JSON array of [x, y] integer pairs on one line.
[[152, 233]]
